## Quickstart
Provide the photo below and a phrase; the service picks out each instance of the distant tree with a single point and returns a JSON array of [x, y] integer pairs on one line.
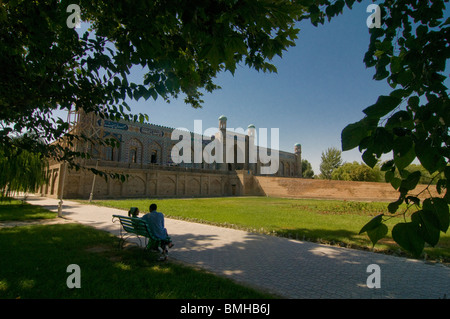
[[331, 160], [357, 172], [307, 171], [21, 170]]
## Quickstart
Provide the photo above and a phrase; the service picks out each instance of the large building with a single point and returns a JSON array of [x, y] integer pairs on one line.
[[167, 162]]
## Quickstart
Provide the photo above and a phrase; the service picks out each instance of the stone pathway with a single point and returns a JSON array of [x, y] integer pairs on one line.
[[289, 268]]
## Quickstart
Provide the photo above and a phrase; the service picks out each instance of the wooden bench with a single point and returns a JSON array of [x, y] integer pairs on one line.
[[140, 228]]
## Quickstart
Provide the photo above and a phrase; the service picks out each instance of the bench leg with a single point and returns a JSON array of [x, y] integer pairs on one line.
[[121, 242]]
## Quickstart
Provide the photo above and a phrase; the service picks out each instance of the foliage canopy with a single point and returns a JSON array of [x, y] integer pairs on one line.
[[410, 51], [182, 46]]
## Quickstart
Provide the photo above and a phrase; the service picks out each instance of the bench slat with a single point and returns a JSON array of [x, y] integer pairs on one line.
[[136, 226]]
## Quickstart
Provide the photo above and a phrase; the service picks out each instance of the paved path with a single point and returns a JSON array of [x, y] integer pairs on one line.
[[292, 269]]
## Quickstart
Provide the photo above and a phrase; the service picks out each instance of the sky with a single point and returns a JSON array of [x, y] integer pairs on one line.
[[322, 85]]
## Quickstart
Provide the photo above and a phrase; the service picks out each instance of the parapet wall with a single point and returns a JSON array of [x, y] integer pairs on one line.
[[175, 182], [329, 189]]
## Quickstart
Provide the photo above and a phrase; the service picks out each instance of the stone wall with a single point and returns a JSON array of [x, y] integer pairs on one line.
[[328, 189], [142, 182], [154, 181]]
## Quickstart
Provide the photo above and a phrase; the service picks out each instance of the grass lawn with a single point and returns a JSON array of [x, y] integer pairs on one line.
[[325, 221], [34, 261], [12, 209]]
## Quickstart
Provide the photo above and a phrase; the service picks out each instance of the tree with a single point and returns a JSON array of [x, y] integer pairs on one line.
[[356, 172], [410, 51], [21, 170], [331, 160], [307, 171], [182, 46]]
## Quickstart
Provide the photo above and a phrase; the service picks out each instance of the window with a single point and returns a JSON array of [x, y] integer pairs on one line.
[[133, 155], [109, 154], [111, 151], [154, 157]]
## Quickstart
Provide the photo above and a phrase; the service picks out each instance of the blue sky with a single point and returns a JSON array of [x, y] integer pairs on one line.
[[321, 86]]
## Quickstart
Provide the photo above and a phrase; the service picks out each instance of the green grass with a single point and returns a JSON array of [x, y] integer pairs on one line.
[[16, 210], [325, 221], [34, 261]]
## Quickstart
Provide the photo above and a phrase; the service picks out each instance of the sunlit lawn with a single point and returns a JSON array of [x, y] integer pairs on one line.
[[326, 221]]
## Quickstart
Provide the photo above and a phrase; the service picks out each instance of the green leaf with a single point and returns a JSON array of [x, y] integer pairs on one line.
[[396, 64], [375, 229], [396, 182], [349, 3], [413, 102], [404, 152], [429, 156], [408, 236], [377, 233], [388, 165], [393, 207], [372, 224], [153, 93], [447, 172], [137, 94], [429, 226], [440, 209], [412, 199], [400, 119], [215, 54], [440, 185], [383, 106], [411, 181], [388, 176], [379, 142], [353, 134], [369, 159]]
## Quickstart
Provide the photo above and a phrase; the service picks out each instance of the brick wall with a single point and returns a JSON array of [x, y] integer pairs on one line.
[[329, 189]]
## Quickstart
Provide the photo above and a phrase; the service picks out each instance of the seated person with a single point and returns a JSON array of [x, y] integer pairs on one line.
[[155, 220], [133, 212]]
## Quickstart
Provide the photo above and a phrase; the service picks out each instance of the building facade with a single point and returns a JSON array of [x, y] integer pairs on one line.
[[160, 166]]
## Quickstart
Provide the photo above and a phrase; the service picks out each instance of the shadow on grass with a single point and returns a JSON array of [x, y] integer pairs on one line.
[[15, 212], [37, 258]]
